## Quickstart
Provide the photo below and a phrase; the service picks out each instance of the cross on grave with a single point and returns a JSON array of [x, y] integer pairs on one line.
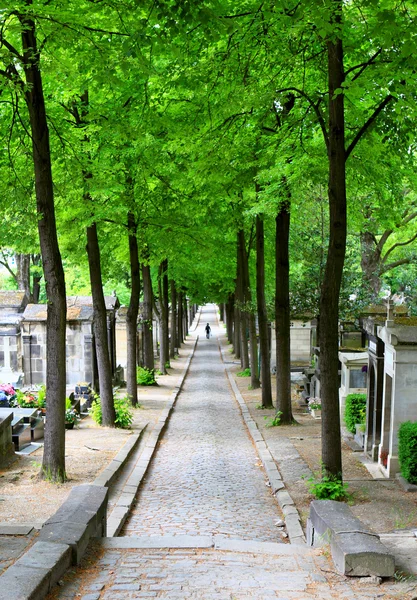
[[390, 310]]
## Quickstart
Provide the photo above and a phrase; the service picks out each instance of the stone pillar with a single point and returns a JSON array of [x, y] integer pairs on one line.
[[88, 358], [27, 363]]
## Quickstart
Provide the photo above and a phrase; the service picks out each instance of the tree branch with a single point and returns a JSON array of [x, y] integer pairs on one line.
[[397, 263], [367, 124], [362, 66], [314, 105], [397, 245], [383, 239]]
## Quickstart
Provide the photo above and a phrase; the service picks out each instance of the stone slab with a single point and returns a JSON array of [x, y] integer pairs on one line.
[[279, 548], [7, 529], [356, 551], [36, 572], [406, 486], [163, 541]]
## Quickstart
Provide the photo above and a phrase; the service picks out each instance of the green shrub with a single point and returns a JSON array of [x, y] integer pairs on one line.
[[274, 421], [407, 451], [327, 488], [145, 376], [355, 410], [122, 407], [245, 373]]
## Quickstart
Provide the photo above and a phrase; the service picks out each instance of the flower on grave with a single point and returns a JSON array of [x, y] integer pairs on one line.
[[7, 389], [26, 400], [71, 416], [314, 404]]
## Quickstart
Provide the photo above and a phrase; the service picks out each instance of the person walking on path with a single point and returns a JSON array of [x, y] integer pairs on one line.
[[208, 330]]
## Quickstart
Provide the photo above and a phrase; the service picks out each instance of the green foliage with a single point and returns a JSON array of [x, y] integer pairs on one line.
[[71, 416], [244, 373], [42, 397], [328, 488], [122, 407], [407, 451], [145, 376], [26, 399], [274, 421], [355, 410]]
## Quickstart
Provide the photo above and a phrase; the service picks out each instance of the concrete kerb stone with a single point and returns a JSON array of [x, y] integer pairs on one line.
[[36, 572], [294, 529], [126, 499], [110, 473]]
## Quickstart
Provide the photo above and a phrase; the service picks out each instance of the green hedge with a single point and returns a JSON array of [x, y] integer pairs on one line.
[[355, 410], [407, 451]]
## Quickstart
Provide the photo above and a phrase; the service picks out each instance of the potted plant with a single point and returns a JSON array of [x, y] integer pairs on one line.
[[314, 406], [26, 399], [71, 415], [71, 418], [42, 400]]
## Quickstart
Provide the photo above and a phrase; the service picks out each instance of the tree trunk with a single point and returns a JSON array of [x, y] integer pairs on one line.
[[262, 315], [282, 314], [180, 328], [100, 329], [36, 288], [241, 253], [250, 315], [164, 315], [132, 312], [174, 343], [53, 463], [185, 316], [330, 291], [370, 264], [23, 274], [149, 362], [236, 329]]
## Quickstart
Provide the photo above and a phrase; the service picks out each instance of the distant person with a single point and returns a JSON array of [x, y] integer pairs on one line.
[[208, 331]]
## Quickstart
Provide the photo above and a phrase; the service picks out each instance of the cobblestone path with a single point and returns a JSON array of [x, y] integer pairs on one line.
[[203, 527], [206, 477]]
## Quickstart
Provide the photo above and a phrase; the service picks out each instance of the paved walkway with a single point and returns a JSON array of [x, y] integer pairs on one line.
[[206, 477], [204, 524]]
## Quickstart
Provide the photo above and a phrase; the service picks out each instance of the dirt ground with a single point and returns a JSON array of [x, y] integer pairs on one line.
[[25, 498], [381, 504]]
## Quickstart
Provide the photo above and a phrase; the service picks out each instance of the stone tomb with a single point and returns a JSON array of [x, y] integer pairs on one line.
[[300, 344], [81, 355], [12, 305], [353, 375], [399, 335], [6, 442]]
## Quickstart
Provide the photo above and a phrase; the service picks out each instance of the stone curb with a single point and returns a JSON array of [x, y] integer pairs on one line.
[[61, 543], [125, 501], [291, 517], [110, 473], [216, 542]]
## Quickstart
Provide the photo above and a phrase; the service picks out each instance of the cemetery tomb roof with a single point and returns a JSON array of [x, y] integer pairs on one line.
[[13, 299], [112, 303], [38, 312]]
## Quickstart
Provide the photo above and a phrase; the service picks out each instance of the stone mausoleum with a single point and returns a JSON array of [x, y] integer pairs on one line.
[[81, 354], [12, 306]]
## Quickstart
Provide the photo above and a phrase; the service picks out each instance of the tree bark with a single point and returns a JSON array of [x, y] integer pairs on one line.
[[250, 315], [330, 291], [23, 274], [173, 341], [164, 316], [180, 326], [282, 314], [241, 252], [370, 264], [149, 361], [100, 328], [262, 315], [53, 463], [132, 312]]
